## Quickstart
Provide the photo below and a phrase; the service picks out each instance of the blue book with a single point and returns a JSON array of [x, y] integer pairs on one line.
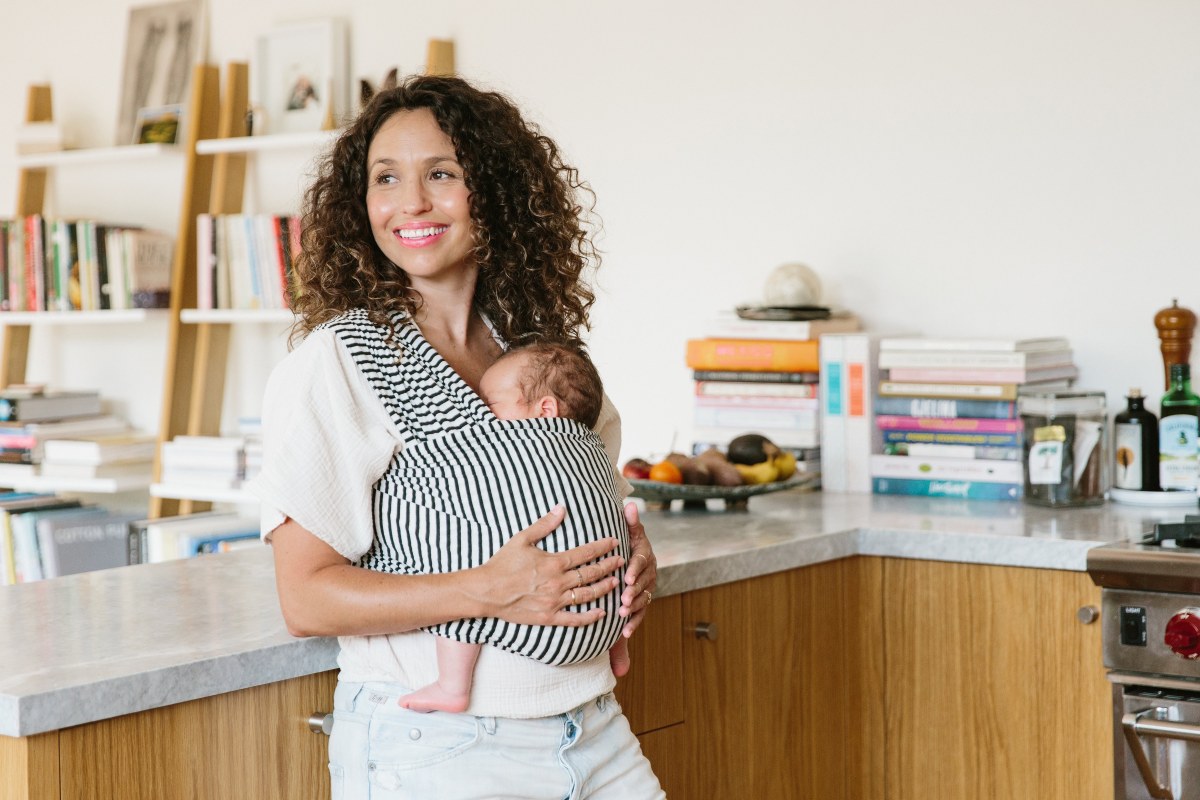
[[945, 407], [965, 490], [974, 439]]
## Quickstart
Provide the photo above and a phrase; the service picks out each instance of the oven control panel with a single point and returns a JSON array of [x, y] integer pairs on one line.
[[1151, 632]]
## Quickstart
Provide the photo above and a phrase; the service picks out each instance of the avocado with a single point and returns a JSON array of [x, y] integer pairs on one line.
[[751, 448]]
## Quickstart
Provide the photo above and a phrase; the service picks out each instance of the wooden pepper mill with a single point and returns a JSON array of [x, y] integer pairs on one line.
[[1175, 326]]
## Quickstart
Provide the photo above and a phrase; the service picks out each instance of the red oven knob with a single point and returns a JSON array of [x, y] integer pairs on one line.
[[1183, 633]]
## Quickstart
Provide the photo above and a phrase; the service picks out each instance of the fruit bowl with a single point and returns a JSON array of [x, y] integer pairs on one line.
[[658, 495]]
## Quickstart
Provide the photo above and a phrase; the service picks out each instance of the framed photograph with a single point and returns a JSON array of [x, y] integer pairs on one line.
[[159, 125], [163, 43], [302, 77]]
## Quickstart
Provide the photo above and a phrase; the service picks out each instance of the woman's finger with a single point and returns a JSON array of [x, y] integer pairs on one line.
[[543, 527]]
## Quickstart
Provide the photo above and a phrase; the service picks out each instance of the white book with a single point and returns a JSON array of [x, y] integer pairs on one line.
[[722, 436], [862, 438], [165, 537], [1001, 345], [973, 359], [947, 469], [833, 414], [747, 390], [100, 449], [729, 325]]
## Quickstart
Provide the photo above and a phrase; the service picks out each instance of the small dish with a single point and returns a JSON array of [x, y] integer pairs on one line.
[[1134, 497], [784, 312]]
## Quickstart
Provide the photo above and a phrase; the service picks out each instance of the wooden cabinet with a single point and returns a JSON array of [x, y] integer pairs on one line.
[[253, 744], [994, 688]]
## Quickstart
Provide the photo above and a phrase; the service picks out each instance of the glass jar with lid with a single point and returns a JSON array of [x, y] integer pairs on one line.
[[1065, 446]]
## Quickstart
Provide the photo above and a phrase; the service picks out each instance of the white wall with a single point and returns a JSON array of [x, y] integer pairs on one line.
[[1006, 167]]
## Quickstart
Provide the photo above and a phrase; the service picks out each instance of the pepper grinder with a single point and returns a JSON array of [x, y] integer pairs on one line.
[[1175, 326]]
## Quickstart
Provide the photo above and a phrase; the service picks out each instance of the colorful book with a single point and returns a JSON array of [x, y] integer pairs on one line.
[[1000, 345], [944, 407], [887, 422], [833, 414], [753, 376], [730, 326], [950, 469], [750, 390], [967, 490], [961, 391], [973, 359], [991, 375], [952, 437], [753, 354]]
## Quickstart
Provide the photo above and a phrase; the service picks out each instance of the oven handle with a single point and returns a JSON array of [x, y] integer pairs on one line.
[[1135, 726]]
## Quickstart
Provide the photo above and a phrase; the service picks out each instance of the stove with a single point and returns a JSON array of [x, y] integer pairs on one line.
[[1150, 612]]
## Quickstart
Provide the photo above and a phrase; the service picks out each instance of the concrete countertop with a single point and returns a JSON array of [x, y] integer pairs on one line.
[[94, 646]]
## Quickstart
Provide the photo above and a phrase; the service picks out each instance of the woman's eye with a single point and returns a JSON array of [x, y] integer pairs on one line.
[[441, 175], [385, 177]]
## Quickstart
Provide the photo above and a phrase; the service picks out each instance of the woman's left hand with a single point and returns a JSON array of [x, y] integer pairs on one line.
[[641, 574]]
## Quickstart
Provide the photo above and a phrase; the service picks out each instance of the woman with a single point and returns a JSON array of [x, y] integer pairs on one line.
[[439, 214]]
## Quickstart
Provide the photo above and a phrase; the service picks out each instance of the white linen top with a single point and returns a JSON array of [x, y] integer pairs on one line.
[[327, 439]]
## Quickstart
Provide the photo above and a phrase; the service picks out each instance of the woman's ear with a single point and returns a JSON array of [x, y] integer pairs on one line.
[[548, 406]]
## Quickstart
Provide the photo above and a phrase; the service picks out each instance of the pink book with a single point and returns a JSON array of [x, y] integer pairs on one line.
[[942, 424], [996, 375]]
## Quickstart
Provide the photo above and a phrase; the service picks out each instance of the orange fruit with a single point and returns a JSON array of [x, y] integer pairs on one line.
[[666, 472]]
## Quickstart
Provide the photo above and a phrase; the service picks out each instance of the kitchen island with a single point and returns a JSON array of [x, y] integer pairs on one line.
[[83, 649]]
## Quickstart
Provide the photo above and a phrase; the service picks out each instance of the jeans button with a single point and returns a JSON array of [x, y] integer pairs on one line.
[[414, 734]]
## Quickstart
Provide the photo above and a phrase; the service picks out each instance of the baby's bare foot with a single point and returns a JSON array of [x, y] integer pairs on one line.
[[435, 698]]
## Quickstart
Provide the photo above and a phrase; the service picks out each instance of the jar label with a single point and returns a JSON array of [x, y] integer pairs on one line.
[[1045, 462], [1127, 446], [1177, 454]]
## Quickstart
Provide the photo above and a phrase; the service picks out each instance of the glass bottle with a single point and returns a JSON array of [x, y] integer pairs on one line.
[[1177, 433], [1135, 446]]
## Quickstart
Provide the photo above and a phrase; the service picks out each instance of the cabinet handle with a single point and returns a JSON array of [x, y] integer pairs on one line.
[[1087, 615], [705, 630], [320, 722]]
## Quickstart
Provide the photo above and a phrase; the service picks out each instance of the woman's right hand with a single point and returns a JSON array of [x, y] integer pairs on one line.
[[526, 585]]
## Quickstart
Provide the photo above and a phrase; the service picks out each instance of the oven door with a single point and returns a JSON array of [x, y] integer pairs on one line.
[[1157, 732]]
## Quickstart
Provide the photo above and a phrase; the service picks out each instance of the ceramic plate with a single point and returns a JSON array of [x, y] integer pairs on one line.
[[1161, 499]]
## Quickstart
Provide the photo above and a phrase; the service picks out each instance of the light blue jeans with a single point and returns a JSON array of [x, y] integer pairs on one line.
[[380, 751]]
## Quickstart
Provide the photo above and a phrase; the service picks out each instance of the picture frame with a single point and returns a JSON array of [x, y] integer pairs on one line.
[[163, 43], [301, 77]]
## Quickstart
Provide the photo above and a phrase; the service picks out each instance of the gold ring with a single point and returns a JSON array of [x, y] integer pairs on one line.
[[649, 597], [642, 557], [573, 598], [579, 575]]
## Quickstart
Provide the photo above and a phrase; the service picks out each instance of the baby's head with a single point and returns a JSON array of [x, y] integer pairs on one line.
[[546, 379]]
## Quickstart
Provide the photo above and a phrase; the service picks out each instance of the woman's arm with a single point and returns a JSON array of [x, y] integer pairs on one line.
[[322, 594]]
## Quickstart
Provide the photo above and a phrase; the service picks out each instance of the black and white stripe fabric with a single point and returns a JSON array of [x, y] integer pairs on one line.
[[464, 482]]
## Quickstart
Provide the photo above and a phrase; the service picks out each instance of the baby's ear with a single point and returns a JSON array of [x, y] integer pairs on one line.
[[548, 406]]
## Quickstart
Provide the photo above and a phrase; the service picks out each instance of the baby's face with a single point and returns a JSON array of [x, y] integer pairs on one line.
[[500, 388]]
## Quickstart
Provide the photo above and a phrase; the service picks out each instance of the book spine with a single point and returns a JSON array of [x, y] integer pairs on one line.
[[753, 354], [833, 414], [1015, 375], [957, 438], [953, 469], [861, 353], [921, 450], [798, 330], [948, 424], [35, 289], [790, 438], [16, 265], [970, 360], [204, 262], [955, 391], [760, 403], [755, 376], [969, 490], [749, 392], [754, 417], [944, 407]]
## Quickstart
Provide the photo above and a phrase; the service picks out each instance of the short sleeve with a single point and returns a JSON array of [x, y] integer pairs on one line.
[[326, 441], [608, 428]]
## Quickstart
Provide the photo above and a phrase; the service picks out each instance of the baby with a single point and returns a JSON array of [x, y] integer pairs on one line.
[[538, 380]]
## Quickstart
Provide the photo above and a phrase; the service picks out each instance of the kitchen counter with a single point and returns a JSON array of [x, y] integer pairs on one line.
[[104, 644]]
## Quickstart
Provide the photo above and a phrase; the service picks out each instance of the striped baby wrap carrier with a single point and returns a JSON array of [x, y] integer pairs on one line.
[[464, 482]]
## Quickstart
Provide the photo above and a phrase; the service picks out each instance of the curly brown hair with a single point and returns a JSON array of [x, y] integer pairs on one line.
[[530, 238]]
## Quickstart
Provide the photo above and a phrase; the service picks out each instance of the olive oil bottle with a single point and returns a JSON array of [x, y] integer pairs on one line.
[[1179, 458], [1135, 446]]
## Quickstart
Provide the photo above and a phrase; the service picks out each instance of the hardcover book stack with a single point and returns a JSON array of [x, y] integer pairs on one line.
[[82, 265], [43, 536], [947, 413], [760, 376], [31, 417], [213, 462]]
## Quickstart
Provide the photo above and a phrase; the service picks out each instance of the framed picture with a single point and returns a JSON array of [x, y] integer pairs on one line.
[[163, 43], [302, 77]]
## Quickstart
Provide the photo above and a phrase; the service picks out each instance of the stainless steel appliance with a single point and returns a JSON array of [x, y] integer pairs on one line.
[[1150, 611]]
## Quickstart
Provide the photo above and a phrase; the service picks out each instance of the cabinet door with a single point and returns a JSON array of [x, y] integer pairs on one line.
[[253, 744], [776, 705], [651, 693], [994, 688]]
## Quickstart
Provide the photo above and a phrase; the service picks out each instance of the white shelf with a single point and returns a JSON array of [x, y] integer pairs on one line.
[[46, 483], [179, 491], [269, 142], [99, 155], [80, 317], [236, 315]]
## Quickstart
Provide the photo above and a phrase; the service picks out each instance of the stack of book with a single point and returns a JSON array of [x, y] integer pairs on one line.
[[113, 455], [30, 417], [151, 541], [213, 462], [43, 536], [947, 412], [760, 376]]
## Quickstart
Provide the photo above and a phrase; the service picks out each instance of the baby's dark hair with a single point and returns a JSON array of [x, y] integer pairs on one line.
[[563, 370]]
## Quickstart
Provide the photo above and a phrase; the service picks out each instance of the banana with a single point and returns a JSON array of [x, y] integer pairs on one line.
[[785, 462], [764, 472]]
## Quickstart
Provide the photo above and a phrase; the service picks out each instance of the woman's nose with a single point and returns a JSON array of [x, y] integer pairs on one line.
[[413, 197]]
